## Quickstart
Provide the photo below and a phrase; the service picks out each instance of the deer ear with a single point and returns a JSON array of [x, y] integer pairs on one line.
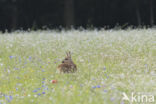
[[67, 53]]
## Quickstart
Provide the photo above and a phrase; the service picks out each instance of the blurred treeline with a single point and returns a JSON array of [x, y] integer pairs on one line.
[[38, 14]]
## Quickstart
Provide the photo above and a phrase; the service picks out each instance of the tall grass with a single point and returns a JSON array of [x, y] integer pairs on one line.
[[109, 63]]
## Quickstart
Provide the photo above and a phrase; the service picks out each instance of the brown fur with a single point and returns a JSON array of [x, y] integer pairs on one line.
[[67, 65]]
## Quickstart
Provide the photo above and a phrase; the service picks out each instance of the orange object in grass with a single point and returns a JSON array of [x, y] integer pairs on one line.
[[54, 81]]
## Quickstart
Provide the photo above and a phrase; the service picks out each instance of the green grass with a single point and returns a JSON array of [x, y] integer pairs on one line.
[[112, 61]]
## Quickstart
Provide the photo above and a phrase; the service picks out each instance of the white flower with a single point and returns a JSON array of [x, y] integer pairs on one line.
[[50, 98], [8, 71], [29, 95], [122, 76], [1, 64], [35, 96]]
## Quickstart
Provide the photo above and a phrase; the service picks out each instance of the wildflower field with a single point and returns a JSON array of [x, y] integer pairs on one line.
[[109, 62]]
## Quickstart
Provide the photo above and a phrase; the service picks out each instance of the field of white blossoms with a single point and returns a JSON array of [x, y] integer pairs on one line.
[[111, 64]]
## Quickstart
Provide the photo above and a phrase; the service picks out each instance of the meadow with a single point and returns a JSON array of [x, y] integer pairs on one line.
[[109, 62]]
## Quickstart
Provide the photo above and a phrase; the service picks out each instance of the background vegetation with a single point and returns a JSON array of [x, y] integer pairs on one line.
[[34, 14], [109, 63]]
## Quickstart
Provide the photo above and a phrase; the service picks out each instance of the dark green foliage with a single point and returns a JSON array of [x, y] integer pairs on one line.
[[38, 14]]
